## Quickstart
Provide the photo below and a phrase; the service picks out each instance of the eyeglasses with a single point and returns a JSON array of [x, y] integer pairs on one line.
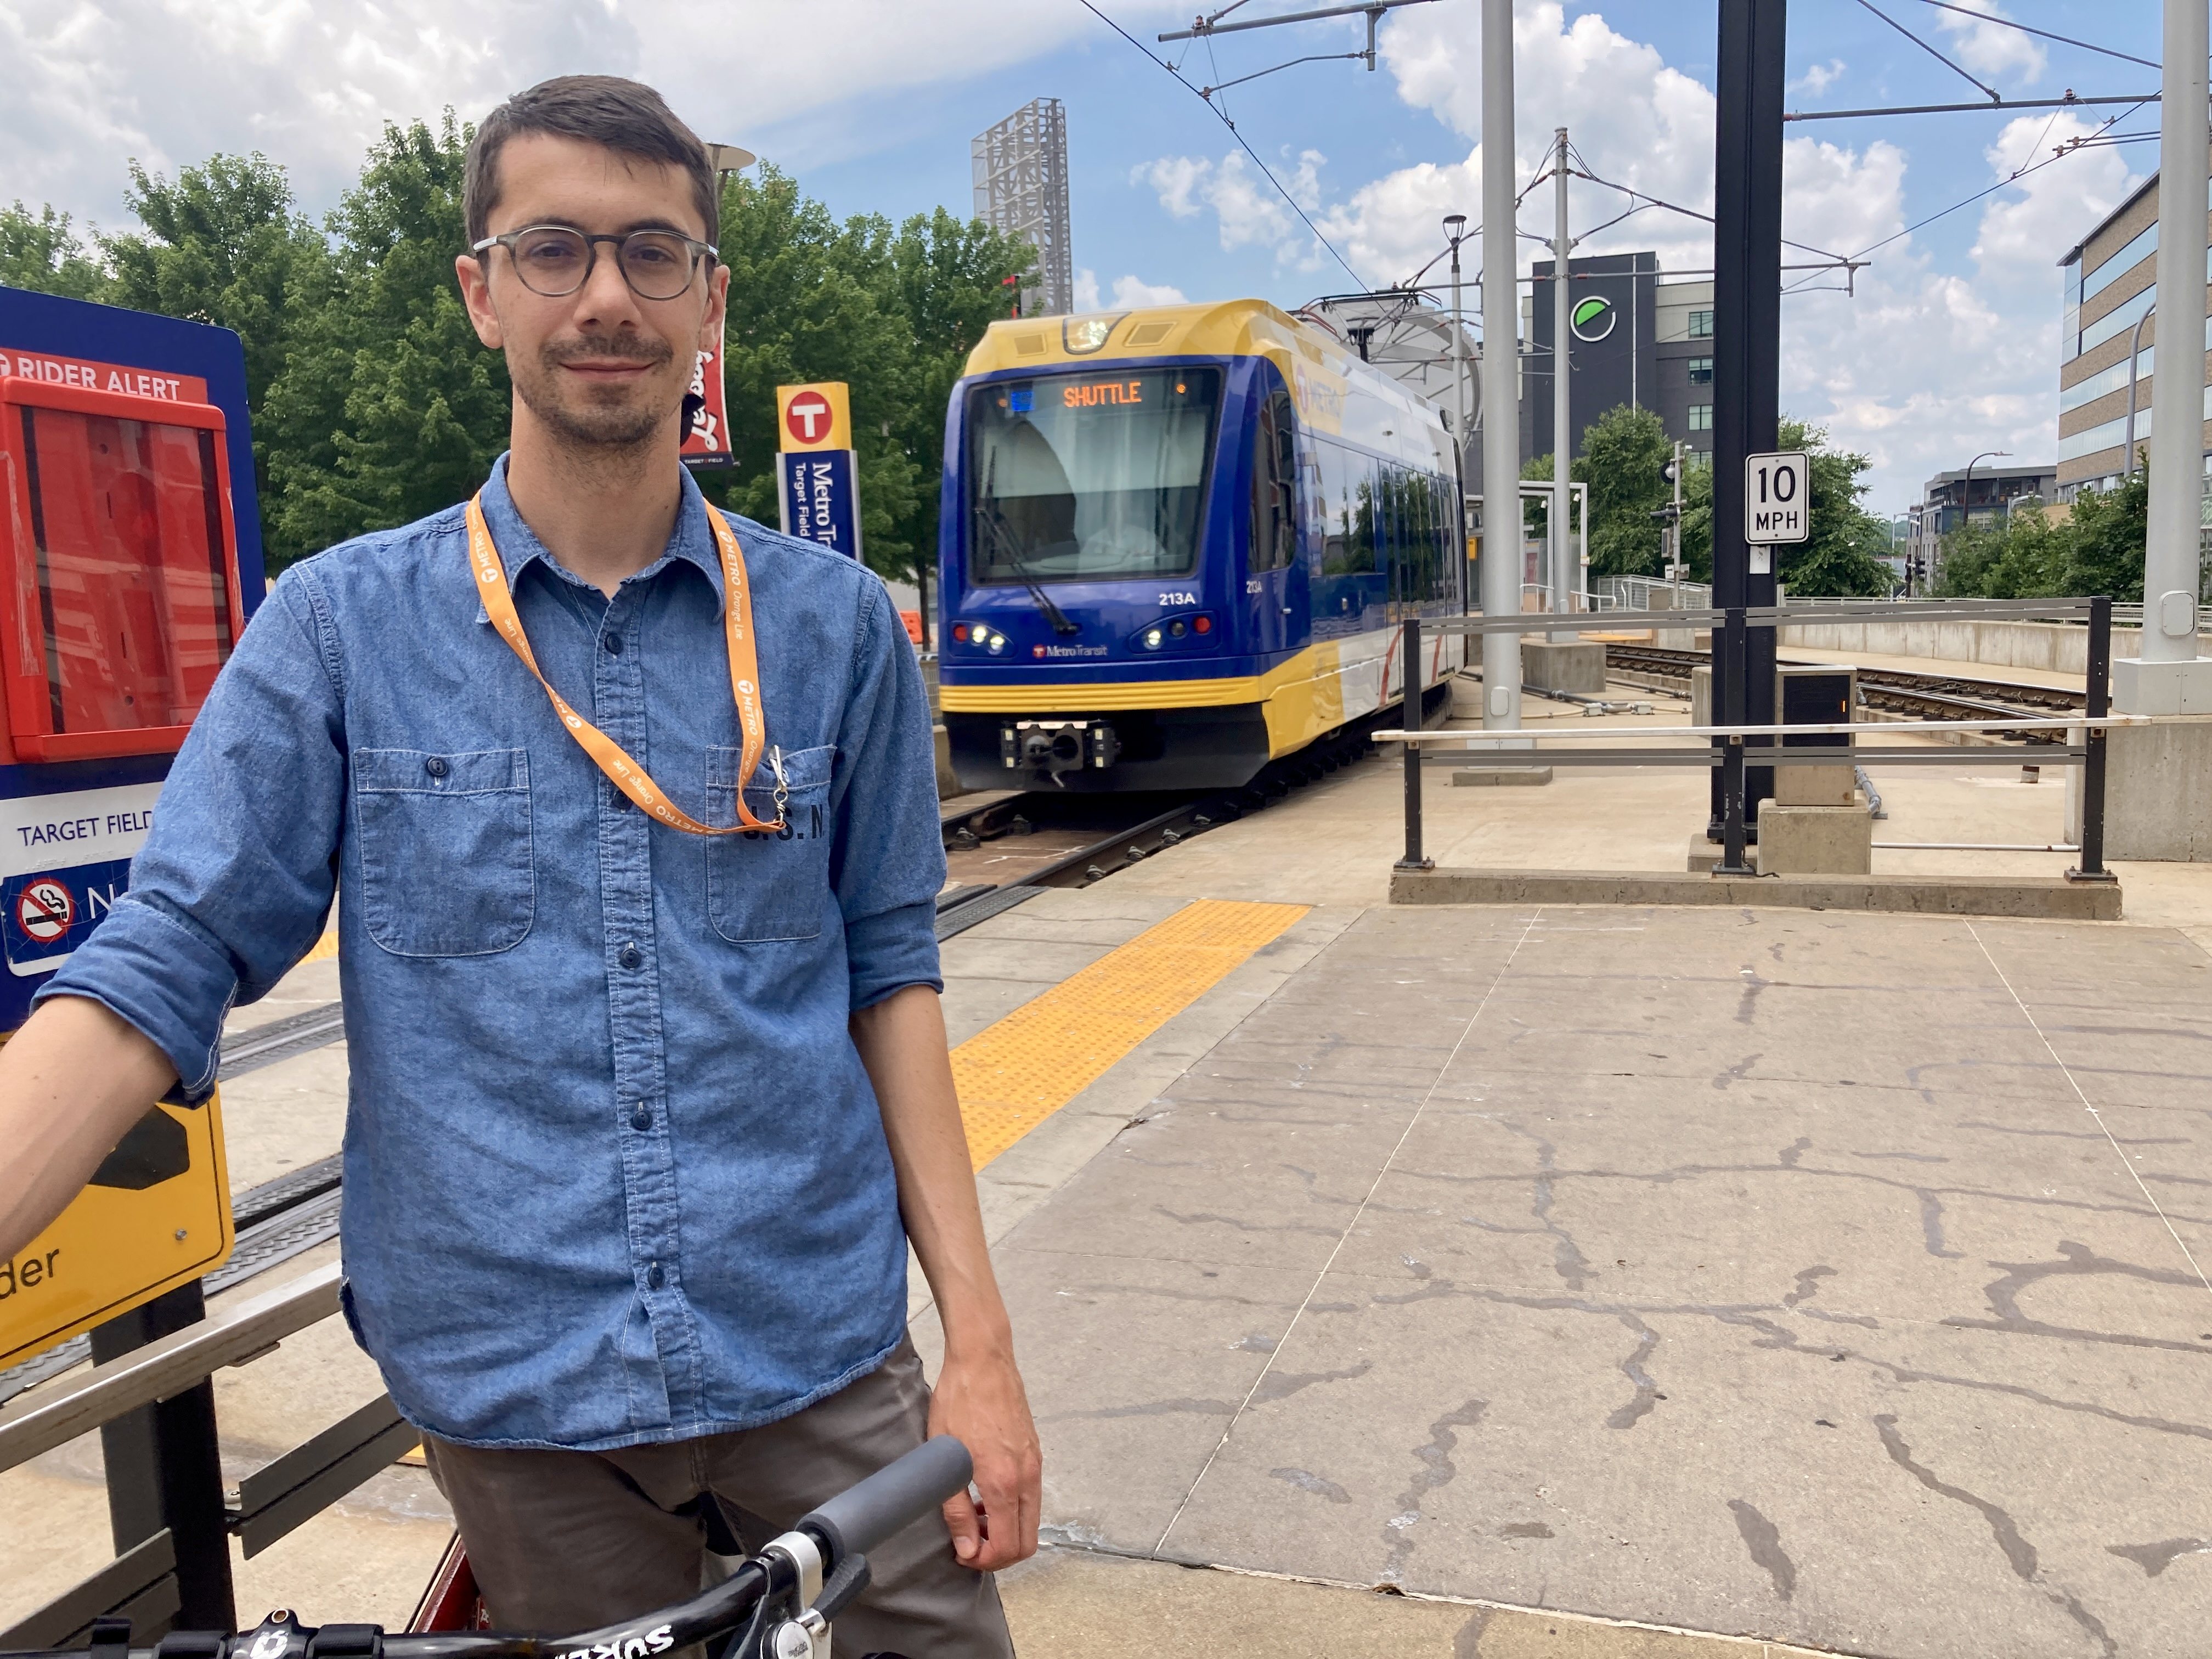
[[556, 261]]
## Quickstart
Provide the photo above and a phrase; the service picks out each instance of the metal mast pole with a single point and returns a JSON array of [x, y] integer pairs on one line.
[[2177, 366], [1563, 426], [1747, 384], [1501, 368]]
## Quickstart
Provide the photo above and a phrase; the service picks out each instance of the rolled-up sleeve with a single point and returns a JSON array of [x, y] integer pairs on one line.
[[888, 860], [235, 879]]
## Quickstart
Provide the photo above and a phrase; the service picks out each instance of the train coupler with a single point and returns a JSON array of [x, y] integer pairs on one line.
[[1052, 748]]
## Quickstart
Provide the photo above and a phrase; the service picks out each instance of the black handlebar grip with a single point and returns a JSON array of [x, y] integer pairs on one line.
[[891, 1499]]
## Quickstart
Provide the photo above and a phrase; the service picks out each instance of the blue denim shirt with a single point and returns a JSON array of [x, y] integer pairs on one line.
[[614, 1173]]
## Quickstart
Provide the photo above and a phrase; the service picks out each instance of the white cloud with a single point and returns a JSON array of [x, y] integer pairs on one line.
[[1919, 366], [1130, 293], [1990, 48], [310, 82], [1250, 210], [1818, 78]]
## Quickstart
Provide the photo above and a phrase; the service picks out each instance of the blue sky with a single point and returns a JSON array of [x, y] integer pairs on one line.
[[1950, 346]]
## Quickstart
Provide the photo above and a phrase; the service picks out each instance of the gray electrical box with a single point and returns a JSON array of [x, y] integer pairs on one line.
[[1816, 694]]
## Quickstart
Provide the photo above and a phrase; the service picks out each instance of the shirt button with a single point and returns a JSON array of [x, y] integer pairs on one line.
[[630, 956], [436, 767], [613, 643], [654, 1279], [641, 1119]]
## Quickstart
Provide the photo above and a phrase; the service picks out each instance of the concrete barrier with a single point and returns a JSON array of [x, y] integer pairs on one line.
[[2049, 648], [2053, 896]]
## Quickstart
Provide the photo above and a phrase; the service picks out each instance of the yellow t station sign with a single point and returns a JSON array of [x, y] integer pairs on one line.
[[155, 1215]]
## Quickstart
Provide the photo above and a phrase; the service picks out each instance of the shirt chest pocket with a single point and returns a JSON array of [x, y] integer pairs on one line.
[[445, 850], [769, 885]]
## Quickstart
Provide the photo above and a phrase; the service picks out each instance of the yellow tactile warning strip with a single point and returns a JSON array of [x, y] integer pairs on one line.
[[1019, 1072], [326, 948]]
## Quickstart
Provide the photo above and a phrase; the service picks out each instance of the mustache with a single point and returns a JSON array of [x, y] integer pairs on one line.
[[605, 346]]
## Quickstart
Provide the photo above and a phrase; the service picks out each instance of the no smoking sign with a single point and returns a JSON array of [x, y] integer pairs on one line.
[[44, 910]]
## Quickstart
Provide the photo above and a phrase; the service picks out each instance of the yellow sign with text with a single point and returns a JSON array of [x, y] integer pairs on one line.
[[818, 416], [155, 1215]]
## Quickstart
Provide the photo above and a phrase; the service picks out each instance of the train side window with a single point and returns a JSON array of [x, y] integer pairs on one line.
[[1275, 485]]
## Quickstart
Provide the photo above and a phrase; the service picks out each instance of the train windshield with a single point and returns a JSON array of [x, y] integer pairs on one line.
[[1088, 478]]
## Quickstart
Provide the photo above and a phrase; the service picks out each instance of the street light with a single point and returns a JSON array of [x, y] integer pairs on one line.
[[1966, 489]]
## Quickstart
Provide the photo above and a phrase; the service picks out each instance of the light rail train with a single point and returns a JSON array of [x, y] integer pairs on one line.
[[1177, 542]]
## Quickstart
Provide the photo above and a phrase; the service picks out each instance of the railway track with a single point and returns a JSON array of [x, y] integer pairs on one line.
[[1893, 690]]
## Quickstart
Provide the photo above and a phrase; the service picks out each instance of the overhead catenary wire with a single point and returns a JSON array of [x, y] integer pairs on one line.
[[1222, 116], [1995, 97], [2058, 152], [2007, 22]]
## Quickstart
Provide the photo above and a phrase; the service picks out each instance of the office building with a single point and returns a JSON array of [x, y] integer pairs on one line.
[[2106, 330], [1633, 339], [1950, 500]]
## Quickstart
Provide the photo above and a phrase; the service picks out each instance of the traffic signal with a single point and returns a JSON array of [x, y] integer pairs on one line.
[[1664, 516], [1668, 471]]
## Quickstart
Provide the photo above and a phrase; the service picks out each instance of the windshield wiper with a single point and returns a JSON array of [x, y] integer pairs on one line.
[[1003, 541]]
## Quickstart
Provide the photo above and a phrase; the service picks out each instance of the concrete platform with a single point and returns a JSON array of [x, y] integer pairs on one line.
[[1817, 1279]]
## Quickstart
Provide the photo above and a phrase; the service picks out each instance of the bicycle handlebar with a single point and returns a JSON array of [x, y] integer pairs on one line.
[[891, 1499], [847, 1525]]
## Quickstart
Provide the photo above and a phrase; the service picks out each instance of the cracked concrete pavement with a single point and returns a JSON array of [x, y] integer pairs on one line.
[[1821, 1279]]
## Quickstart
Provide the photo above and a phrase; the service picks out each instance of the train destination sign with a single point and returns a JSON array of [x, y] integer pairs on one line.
[[155, 1215]]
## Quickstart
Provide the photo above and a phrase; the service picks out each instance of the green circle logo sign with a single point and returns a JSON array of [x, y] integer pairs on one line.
[[1592, 319]]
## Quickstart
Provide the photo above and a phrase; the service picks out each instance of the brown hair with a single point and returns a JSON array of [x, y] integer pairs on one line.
[[624, 116]]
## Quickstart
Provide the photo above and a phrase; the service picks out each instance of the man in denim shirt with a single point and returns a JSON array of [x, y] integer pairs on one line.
[[643, 1116]]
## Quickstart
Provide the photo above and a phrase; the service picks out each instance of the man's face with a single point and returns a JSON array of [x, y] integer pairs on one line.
[[600, 367]]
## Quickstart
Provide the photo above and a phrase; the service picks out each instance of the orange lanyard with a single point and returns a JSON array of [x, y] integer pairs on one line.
[[625, 773]]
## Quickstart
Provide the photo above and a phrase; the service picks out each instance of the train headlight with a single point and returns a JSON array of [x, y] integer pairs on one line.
[[997, 643], [1153, 637]]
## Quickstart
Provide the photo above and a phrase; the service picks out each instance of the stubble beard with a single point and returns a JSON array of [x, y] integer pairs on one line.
[[588, 428]]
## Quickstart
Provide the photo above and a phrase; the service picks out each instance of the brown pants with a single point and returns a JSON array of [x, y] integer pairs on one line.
[[565, 1541]]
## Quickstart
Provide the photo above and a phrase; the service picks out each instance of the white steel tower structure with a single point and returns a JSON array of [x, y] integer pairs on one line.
[[1020, 168]]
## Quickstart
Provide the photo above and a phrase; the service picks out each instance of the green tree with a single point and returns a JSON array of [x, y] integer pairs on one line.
[[41, 253], [2097, 548], [1842, 558], [390, 408], [1623, 451]]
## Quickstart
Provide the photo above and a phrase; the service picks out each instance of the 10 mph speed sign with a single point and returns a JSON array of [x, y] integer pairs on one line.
[[1777, 504]]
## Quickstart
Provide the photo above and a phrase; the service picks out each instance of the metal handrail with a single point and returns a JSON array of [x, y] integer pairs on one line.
[[38, 1422], [1769, 615], [1578, 730]]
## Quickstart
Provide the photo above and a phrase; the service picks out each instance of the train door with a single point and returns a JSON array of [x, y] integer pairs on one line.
[[1274, 578]]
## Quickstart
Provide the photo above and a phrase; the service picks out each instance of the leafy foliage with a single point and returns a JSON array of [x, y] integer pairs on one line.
[[1623, 451], [40, 251], [2097, 549], [372, 403], [1842, 558]]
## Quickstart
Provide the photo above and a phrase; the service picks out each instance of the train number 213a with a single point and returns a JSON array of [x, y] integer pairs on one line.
[[1170, 598]]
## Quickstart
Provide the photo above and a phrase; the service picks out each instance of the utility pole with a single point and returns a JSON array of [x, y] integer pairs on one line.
[[1501, 366], [1747, 388], [1675, 525], [2166, 676], [1563, 426]]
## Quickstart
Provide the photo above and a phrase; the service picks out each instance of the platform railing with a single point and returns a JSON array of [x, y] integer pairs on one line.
[[178, 1567], [1728, 745]]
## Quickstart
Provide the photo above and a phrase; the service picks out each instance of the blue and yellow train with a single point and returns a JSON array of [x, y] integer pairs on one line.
[[1177, 542]]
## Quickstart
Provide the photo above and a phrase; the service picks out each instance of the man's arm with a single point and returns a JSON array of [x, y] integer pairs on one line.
[[72, 1082], [979, 1396]]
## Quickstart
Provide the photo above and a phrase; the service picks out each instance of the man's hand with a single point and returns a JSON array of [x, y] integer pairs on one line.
[[982, 1402], [979, 1396]]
